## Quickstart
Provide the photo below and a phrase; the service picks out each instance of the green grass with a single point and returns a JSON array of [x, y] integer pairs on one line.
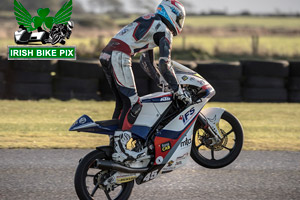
[[268, 45], [45, 124], [284, 46]]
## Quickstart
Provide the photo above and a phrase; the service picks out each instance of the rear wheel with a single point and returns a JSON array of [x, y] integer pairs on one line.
[[220, 154], [89, 179]]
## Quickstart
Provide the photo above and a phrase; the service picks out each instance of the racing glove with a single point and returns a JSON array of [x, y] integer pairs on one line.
[[183, 96]]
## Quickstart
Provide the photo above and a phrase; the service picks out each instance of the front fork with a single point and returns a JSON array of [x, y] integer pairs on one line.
[[211, 129]]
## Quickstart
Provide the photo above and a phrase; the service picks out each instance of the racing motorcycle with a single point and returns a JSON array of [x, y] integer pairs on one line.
[[167, 131]]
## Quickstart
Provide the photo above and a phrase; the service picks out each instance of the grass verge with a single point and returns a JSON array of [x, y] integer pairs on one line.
[[45, 124]]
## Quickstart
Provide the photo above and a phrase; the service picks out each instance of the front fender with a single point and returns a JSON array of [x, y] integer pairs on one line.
[[213, 116]]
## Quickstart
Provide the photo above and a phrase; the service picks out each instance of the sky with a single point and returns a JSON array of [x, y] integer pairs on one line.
[[230, 6]]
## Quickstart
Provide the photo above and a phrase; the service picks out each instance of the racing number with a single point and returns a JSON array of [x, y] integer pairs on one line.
[[150, 176]]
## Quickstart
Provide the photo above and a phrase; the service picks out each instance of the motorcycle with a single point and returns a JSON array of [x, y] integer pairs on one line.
[[167, 131]]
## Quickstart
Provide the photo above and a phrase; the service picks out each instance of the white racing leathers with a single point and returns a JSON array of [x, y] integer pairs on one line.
[[142, 35]]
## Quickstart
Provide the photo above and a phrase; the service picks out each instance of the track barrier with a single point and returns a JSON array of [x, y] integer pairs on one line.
[[247, 80]]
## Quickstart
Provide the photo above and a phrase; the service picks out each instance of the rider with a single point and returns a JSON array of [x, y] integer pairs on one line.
[[142, 35]]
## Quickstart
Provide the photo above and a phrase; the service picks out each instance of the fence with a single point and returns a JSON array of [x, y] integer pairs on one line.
[[250, 81]]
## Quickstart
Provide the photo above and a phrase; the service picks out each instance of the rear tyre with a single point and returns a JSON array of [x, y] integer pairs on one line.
[[87, 180], [223, 153]]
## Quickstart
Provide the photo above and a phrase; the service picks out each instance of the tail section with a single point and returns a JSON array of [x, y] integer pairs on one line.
[[82, 122], [86, 124]]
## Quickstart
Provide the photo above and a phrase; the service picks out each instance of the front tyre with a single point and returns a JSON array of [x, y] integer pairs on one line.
[[223, 153], [88, 180]]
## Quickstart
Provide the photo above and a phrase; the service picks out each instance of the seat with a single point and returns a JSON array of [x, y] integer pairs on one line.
[[105, 123]]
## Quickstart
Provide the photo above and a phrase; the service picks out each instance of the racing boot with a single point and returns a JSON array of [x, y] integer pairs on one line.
[[122, 154]]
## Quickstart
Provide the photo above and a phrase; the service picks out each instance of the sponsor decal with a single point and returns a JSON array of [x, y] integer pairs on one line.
[[201, 82], [198, 75], [159, 160], [185, 78], [165, 99], [170, 163], [187, 116], [187, 142], [125, 179], [169, 167], [182, 157], [178, 162], [165, 146], [82, 120]]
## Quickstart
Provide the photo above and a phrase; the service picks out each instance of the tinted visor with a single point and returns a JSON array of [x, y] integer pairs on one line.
[[180, 20]]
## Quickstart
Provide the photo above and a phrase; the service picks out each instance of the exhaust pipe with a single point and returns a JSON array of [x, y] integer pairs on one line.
[[111, 165]]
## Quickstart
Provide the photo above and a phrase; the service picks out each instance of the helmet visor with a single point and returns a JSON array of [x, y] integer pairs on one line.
[[180, 20]]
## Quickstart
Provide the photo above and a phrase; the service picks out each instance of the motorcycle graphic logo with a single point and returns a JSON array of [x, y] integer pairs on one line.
[[82, 120], [51, 30]]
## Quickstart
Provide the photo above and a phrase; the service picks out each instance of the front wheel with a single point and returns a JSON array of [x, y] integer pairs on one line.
[[220, 154], [89, 178]]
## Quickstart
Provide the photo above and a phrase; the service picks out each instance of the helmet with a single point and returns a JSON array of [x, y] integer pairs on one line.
[[173, 14], [70, 25]]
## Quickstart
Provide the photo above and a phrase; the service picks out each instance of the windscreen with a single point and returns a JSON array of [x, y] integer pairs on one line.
[[181, 69]]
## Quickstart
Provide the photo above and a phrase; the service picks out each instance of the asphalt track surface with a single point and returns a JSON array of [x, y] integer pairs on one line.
[[48, 174]]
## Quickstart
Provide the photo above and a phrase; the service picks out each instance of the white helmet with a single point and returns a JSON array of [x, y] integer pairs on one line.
[[70, 25], [174, 14]]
